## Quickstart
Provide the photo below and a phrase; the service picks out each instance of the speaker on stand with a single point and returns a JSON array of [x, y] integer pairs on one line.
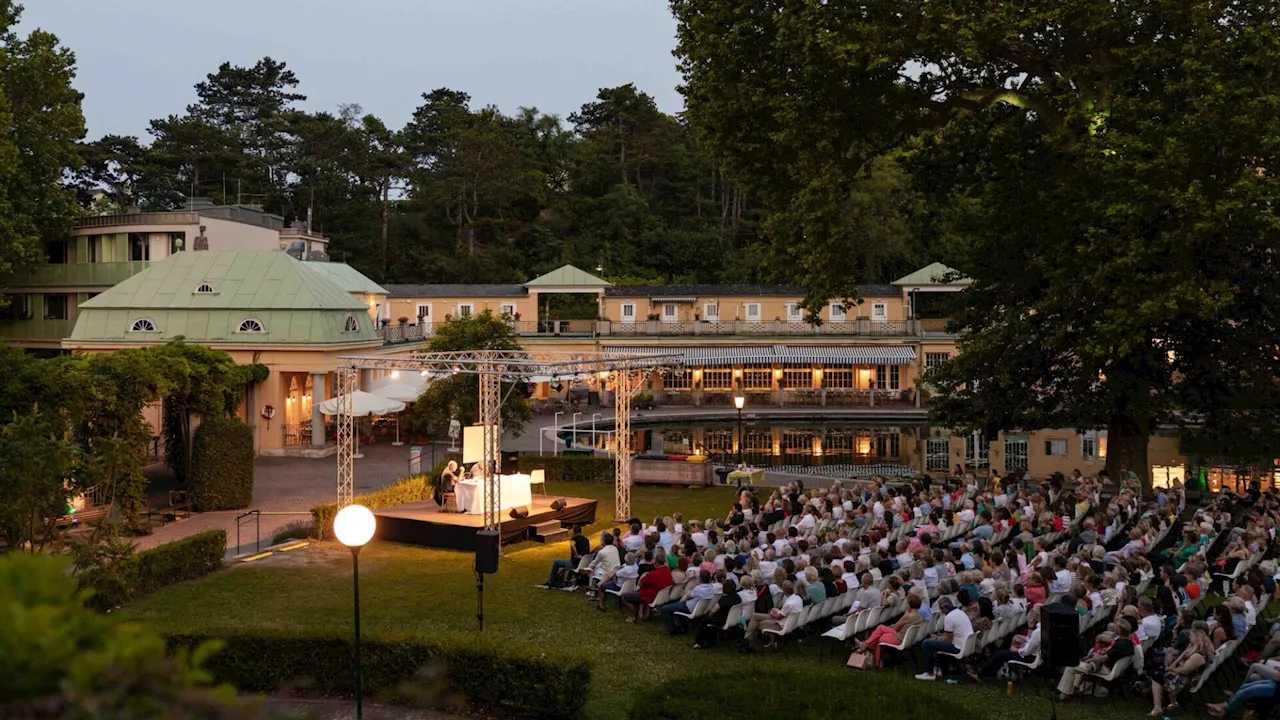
[[488, 546]]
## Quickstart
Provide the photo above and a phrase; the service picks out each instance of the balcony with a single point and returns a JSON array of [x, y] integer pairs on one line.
[[104, 274], [36, 330]]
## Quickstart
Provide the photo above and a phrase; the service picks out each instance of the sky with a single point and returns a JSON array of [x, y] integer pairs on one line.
[[140, 59]]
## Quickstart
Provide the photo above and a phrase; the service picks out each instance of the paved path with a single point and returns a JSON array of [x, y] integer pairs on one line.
[[331, 709]]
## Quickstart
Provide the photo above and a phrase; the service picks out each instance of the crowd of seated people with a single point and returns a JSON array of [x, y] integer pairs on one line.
[[962, 561]]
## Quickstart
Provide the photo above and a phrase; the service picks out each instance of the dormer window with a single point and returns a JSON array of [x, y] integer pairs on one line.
[[142, 325], [353, 325], [205, 289], [250, 325]]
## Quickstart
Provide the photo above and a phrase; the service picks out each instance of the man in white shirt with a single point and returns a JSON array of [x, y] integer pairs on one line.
[[1061, 582], [956, 629], [769, 563], [633, 541], [605, 562], [698, 536], [1150, 626], [1023, 653], [704, 590], [807, 521], [967, 514], [773, 620], [867, 598]]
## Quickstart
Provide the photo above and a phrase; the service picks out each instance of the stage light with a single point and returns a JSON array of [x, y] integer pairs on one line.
[[395, 374], [422, 373], [354, 526]]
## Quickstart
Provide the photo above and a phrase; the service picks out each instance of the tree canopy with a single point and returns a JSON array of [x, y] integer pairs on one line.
[[1104, 172]]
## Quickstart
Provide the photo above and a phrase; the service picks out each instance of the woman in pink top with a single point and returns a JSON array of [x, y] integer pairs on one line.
[[1035, 590]]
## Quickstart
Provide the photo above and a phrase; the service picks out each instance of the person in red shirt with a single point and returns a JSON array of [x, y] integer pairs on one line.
[[651, 583]]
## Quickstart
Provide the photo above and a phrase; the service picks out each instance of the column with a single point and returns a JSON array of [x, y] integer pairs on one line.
[[318, 395]]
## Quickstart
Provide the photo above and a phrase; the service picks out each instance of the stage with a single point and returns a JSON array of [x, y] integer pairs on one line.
[[422, 523]]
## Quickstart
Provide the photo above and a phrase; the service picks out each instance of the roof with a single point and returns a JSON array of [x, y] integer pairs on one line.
[[568, 276], [294, 304], [932, 275], [460, 291], [769, 354], [346, 277], [795, 291]]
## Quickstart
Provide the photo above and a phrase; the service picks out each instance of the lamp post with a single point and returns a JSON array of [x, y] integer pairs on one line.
[[739, 401], [575, 428], [354, 526], [593, 427]]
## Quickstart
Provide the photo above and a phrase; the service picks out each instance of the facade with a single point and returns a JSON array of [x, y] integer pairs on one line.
[[103, 251]]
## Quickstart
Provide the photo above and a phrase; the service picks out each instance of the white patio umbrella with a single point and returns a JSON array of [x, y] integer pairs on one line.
[[402, 391], [362, 405]]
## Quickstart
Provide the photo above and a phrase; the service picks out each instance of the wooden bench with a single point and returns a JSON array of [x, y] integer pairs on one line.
[[87, 515]]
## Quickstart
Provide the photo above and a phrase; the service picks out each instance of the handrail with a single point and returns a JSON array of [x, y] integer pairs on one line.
[[257, 543]]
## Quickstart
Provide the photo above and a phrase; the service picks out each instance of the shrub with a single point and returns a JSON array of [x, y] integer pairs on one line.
[[719, 694], [411, 489], [117, 577], [498, 680], [569, 468], [296, 530], [222, 465]]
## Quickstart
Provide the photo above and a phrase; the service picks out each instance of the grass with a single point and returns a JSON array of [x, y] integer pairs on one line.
[[412, 590]]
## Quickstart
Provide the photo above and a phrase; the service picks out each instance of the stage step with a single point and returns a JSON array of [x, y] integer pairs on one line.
[[551, 537], [548, 527]]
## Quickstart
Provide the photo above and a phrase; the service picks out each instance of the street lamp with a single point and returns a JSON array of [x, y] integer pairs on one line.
[[575, 428], [354, 526], [739, 401], [593, 427]]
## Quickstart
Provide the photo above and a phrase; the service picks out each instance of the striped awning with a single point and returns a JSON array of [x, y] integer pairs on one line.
[[781, 354]]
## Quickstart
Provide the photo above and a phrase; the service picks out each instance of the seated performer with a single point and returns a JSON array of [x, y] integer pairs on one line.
[[447, 480]]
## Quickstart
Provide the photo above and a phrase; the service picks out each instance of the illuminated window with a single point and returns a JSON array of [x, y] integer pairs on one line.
[[677, 380], [717, 379], [757, 378]]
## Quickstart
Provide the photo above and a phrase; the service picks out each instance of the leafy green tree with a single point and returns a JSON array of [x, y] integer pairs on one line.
[[40, 111], [1102, 171], [459, 395], [64, 661], [37, 478]]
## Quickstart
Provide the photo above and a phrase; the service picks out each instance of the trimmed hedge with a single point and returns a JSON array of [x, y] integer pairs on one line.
[[145, 572], [567, 468], [222, 465], [411, 489], [471, 673], [837, 693]]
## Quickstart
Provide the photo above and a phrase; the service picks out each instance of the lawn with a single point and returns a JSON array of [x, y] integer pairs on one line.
[[406, 589]]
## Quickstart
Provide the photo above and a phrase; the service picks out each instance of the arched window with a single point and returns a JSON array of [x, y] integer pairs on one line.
[[353, 325], [142, 325], [250, 325], [205, 289]]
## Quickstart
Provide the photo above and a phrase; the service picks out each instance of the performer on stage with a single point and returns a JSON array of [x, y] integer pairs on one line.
[[448, 479]]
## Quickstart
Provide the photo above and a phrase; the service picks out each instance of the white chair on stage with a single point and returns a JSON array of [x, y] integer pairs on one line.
[[538, 477]]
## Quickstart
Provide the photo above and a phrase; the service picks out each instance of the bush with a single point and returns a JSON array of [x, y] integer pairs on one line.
[[116, 577], [296, 530], [843, 693], [411, 489], [569, 468], [222, 465], [501, 681]]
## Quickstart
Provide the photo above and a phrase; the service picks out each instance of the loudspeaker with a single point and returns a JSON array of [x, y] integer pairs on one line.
[[558, 504], [519, 513], [1060, 633], [487, 548]]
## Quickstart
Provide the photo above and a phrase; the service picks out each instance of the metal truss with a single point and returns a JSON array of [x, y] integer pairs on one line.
[[625, 385], [348, 380]]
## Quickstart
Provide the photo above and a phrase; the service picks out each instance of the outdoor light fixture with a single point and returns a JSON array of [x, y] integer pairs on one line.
[[740, 401], [395, 374], [354, 526]]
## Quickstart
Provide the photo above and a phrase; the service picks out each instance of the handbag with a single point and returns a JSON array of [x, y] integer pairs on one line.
[[860, 661]]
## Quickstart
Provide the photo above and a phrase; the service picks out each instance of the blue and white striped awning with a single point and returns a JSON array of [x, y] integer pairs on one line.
[[780, 354]]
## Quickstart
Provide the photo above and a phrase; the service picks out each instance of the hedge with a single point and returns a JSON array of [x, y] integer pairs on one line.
[[221, 465], [145, 572], [499, 681], [838, 693], [410, 489], [561, 468]]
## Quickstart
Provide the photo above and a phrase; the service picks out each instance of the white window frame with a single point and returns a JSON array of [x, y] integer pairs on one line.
[[673, 316], [133, 327], [469, 311], [507, 310], [747, 311], [421, 316], [1090, 444], [837, 313], [794, 315], [1017, 446], [201, 289], [879, 312], [937, 449], [262, 328], [711, 311], [352, 324], [934, 359], [628, 317], [977, 451], [1051, 443]]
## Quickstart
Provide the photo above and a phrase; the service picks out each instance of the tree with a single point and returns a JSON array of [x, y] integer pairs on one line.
[[37, 474], [1102, 171], [459, 395], [40, 112]]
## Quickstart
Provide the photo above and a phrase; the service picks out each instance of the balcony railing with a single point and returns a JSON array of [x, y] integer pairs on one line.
[[36, 330], [154, 218], [395, 333], [105, 274]]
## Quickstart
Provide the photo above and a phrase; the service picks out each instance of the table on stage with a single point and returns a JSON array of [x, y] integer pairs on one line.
[[515, 492]]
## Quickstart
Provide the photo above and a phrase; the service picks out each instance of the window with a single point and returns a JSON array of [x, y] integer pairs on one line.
[[1055, 447], [894, 380], [55, 307], [670, 313], [628, 312], [888, 377], [837, 313], [139, 247], [205, 289], [934, 359], [717, 379], [711, 312], [879, 312], [677, 380], [15, 307], [177, 242], [881, 377], [1093, 445], [142, 325], [466, 310], [352, 325], [423, 312], [797, 378], [838, 378], [96, 249], [250, 325], [793, 312], [1015, 452], [977, 451], [888, 446], [56, 252], [757, 378], [937, 453], [753, 312], [508, 311]]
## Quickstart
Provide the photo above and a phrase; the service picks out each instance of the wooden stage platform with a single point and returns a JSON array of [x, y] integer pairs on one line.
[[422, 523]]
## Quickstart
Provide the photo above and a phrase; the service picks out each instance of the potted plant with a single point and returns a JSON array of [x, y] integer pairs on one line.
[[517, 315], [642, 401], [448, 317], [385, 321], [402, 320]]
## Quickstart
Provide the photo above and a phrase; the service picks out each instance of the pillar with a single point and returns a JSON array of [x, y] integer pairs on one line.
[[318, 395]]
